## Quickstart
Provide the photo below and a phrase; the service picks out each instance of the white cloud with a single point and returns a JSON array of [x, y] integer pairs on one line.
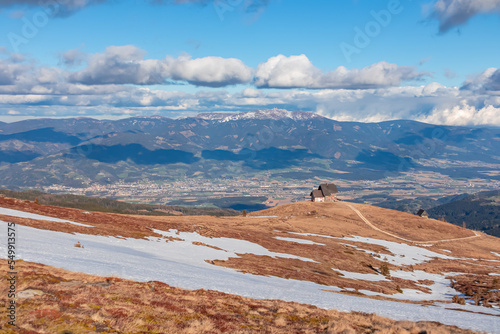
[[105, 89], [489, 80], [432, 103], [73, 58], [208, 71], [453, 13], [119, 65], [464, 114], [298, 72], [126, 65]]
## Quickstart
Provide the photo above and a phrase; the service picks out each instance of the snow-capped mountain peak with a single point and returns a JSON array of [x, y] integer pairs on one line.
[[272, 114]]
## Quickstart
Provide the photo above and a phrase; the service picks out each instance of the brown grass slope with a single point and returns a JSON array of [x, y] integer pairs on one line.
[[63, 302], [475, 255]]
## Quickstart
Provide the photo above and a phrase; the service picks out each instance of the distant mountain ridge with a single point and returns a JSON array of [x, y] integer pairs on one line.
[[285, 144]]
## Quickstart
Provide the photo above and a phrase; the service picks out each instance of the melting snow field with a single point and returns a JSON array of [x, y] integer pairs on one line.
[[403, 254], [183, 264], [22, 214], [299, 241], [439, 290], [360, 276]]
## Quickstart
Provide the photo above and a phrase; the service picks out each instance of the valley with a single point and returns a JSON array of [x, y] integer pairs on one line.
[[273, 157]]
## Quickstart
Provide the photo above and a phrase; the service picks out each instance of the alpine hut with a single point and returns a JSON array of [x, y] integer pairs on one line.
[[327, 192]]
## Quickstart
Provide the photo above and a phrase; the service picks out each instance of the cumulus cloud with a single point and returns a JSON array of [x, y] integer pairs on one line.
[[453, 13], [12, 69], [489, 81], [20, 76], [126, 65], [494, 81], [120, 65], [208, 71], [464, 114], [72, 58], [298, 72]]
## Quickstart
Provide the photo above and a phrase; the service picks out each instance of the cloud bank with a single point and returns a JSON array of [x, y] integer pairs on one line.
[[118, 82]]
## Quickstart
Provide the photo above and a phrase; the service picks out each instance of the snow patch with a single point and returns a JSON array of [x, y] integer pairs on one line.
[[440, 289], [22, 214], [231, 247], [299, 241], [273, 114], [361, 276], [402, 254], [182, 264]]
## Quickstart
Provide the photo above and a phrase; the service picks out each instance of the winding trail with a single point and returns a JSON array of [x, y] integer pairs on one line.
[[367, 222]]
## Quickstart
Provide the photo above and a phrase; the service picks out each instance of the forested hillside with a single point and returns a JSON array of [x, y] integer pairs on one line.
[[479, 212]]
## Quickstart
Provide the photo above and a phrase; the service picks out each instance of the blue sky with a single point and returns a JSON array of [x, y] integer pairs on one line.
[[360, 60]]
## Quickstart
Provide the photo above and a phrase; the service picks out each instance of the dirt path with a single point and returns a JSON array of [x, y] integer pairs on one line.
[[367, 222]]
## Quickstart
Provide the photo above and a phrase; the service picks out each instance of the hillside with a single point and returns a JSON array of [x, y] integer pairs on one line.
[[112, 206], [58, 301], [342, 255], [480, 211], [415, 204]]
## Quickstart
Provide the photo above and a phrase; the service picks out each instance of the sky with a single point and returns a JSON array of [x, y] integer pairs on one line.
[[434, 61]]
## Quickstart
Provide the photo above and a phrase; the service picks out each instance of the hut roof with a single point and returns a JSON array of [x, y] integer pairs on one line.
[[316, 193], [422, 213], [328, 189]]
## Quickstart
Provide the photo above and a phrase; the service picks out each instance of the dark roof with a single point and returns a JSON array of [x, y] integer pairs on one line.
[[422, 212], [328, 189], [316, 193]]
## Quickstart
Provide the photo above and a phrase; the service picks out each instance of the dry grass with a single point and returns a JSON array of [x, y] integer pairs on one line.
[[482, 289], [79, 303], [331, 219]]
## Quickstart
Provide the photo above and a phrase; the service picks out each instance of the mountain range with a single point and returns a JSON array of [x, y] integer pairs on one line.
[[291, 145]]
